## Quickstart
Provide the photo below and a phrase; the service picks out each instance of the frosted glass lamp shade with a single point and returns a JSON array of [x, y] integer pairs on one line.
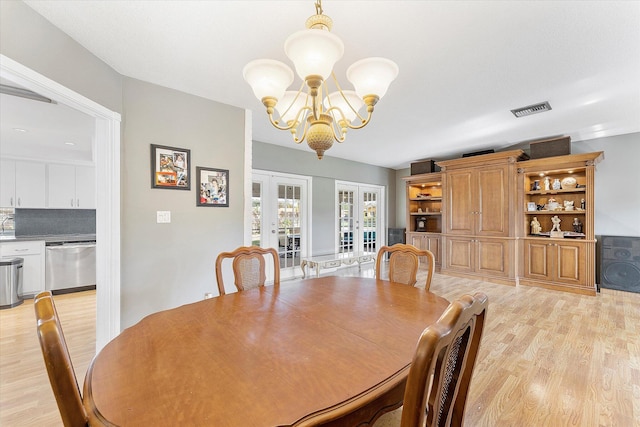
[[290, 104], [337, 100], [314, 52], [267, 77], [372, 76]]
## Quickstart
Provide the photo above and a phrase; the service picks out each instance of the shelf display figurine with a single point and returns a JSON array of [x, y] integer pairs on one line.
[[556, 184], [536, 185], [535, 226], [583, 205], [555, 230], [577, 225], [547, 184]]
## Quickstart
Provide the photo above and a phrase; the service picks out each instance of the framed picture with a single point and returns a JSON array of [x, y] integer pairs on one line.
[[170, 167], [213, 187], [531, 206]]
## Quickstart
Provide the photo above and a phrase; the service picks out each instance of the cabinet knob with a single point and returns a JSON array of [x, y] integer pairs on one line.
[[71, 203], [11, 201], [19, 201]]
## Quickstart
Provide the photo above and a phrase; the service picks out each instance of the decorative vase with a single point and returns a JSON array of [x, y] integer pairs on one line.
[[556, 184], [569, 182]]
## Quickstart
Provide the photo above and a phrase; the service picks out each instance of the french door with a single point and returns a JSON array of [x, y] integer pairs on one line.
[[280, 217], [360, 217]]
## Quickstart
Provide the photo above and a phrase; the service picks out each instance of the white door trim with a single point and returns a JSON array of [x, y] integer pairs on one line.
[[107, 159]]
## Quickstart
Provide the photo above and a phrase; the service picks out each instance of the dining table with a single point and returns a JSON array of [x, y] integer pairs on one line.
[[331, 351]]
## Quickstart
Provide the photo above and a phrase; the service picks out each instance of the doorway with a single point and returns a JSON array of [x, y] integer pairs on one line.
[[281, 216], [360, 217], [107, 160]]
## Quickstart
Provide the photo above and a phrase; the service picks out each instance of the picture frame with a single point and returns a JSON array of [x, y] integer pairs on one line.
[[170, 167], [212, 187], [531, 206]]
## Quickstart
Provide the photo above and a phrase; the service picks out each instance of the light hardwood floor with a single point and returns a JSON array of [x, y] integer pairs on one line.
[[547, 358]]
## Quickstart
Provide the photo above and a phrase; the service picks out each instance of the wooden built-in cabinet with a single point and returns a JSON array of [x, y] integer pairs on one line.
[[476, 217], [424, 213], [563, 261], [479, 208]]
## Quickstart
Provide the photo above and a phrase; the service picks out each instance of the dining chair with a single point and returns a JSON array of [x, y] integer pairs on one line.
[[440, 373], [404, 261], [58, 362], [248, 267]]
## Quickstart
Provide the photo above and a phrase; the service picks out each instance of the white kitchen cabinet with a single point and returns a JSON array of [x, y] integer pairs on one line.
[[33, 267], [71, 187], [22, 184], [7, 183]]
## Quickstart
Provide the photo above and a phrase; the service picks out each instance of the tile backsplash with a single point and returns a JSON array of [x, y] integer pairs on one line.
[[30, 222]]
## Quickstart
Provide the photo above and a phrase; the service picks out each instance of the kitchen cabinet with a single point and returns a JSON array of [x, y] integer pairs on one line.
[[22, 184], [71, 187], [559, 187], [479, 206], [34, 263]]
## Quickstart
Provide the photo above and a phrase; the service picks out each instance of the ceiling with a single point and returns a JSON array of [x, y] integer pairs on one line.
[[463, 64]]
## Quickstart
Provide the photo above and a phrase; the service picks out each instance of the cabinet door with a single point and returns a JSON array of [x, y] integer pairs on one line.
[[61, 185], [85, 187], [492, 198], [7, 183], [460, 204], [460, 254], [537, 259], [30, 185], [569, 263], [433, 244], [32, 252], [492, 257]]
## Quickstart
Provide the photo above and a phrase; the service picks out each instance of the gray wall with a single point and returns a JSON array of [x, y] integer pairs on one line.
[[617, 192], [167, 265], [325, 172], [28, 38]]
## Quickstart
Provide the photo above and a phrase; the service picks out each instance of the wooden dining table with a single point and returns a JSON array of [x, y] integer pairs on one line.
[[325, 351]]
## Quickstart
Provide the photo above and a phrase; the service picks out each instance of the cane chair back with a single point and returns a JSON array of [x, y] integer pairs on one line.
[[440, 373], [58, 362], [248, 267], [404, 261]]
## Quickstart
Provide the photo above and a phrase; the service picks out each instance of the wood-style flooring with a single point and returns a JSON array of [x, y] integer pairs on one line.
[[547, 358]]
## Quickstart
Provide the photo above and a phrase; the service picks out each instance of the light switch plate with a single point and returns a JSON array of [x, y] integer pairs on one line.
[[163, 217]]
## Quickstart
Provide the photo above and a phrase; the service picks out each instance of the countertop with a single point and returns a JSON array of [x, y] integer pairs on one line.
[[50, 238]]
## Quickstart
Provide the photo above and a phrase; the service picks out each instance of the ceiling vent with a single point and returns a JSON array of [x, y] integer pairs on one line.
[[23, 93], [531, 109]]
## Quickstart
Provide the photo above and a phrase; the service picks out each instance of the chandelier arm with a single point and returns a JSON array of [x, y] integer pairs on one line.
[[363, 123], [277, 126], [304, 134], [335, 81]]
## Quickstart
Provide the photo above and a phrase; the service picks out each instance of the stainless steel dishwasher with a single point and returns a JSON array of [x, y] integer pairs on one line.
[[70, 265]]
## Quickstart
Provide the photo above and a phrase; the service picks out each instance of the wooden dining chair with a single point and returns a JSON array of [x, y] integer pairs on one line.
[[441, 369], [58, 362], [248, 267], [404, 261]]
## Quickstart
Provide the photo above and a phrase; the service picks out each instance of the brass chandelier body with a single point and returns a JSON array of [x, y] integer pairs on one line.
[[316, 115]]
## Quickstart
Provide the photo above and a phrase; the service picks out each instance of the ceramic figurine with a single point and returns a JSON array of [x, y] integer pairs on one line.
[[577, 225], [556, 223], [547, 184], [535, 226], [556, 184]]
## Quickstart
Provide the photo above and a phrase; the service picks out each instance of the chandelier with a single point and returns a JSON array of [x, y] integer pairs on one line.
[[313, 112]]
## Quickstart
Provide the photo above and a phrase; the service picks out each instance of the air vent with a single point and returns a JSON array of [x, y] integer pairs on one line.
[[531, 109], [23, 93]]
